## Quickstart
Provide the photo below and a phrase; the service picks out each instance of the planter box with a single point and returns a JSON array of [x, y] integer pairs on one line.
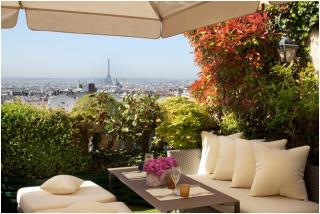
[[187, 159]]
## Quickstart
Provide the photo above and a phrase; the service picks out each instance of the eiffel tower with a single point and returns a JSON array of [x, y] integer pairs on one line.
[[108, 80]]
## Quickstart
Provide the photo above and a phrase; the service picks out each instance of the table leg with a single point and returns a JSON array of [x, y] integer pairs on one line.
[[237, 207], [110, 176]]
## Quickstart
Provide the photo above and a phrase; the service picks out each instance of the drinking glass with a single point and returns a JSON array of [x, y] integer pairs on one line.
[[175, 174], [184, 190]]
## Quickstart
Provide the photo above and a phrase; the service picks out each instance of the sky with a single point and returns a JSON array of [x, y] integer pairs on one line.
[[26, 53]]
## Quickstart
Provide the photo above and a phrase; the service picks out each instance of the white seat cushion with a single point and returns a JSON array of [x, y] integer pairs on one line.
[[33, 199], [249, 204], [91, 207]]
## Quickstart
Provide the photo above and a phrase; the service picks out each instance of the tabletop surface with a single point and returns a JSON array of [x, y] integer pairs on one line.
[[139, 186]]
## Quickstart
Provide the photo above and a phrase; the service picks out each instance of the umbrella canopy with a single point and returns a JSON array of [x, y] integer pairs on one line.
[[146, 19]]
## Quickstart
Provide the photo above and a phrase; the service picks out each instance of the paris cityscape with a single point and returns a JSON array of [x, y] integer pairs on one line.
[[63, 92]]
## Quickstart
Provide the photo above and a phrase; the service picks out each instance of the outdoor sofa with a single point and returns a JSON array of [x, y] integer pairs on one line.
[[189, 161]]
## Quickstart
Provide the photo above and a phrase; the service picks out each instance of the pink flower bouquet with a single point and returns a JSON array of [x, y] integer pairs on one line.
[[159, 166]]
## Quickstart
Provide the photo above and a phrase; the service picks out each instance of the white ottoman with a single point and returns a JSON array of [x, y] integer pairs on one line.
[[91, 207], [34, 199]]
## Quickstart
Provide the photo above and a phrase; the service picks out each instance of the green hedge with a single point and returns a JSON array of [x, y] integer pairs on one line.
[[38, 143], [182, 122]]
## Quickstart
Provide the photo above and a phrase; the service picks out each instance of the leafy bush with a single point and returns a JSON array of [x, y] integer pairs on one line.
[[293, 107], [240, 75], [295, 19], [182, 122], [135, 125], [90, 113], [229, 124], [231, 55], [38, 143]]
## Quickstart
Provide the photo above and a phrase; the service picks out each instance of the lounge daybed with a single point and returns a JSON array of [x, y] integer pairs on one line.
[[91, 207], [34, 199], [189, 161]]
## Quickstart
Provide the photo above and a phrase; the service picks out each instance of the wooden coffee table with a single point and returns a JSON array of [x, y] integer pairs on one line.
[[139, 186]]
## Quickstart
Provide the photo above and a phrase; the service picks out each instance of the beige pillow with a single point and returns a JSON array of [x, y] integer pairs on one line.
[[245, 163], [225, 162], [210, 151], [62, 184], [280, 172], [226, 158]]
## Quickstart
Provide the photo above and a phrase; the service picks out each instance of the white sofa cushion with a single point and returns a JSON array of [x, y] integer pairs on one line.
[[245, 163], [62, 184], [33, 199], [280, 172], [249, 204], [226, 158], [91, 207], [210, 151]]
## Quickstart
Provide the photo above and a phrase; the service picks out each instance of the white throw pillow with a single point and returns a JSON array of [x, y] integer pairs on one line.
[[280, 172], [226, 158], [210, 151], [225, 162], [62, 184], [245, 163]]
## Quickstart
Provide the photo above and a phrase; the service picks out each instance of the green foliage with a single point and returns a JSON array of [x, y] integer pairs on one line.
[[104, 159], [96, 103], [295, 19], [90, 113], [139, 115], [245, 87], [182, 122], [293, 107], [38, 143], [229, 124]]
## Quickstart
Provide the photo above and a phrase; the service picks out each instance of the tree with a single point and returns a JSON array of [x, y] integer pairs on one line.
[[241, 77], [138, 118], [90, 114]]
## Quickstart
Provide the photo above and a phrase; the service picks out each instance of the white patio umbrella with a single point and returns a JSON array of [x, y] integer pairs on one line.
[[147, 19]]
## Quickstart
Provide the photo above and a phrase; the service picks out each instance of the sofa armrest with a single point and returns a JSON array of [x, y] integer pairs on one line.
[[188, 159]]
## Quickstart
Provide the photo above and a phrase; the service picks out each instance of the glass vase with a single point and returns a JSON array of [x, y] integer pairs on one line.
[[153, 180]]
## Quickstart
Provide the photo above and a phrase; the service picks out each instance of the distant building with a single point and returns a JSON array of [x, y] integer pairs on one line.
[[92, 88], [118, 84], [61, 102]]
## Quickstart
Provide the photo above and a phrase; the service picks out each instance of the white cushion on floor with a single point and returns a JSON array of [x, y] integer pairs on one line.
[[91, 207], [249, 204], [33, 199]]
